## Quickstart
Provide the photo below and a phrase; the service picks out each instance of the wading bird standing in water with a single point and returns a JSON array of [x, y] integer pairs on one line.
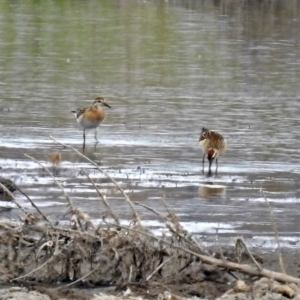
[[55, 159], [91, 117], [213, 144]]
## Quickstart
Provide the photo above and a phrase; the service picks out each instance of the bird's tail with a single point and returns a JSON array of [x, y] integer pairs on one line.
[[211, 154]]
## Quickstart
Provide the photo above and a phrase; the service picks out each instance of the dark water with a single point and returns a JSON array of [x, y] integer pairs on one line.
[[167, 69]]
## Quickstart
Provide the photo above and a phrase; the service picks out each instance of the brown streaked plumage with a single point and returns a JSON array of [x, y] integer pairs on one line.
[[91, 117], [54, 158], [213, 144]]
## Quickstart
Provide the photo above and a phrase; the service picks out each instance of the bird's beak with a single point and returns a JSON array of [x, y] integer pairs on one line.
[[104, 103]]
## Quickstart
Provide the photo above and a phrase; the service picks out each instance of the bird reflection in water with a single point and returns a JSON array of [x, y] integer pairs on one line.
[[211, 190]]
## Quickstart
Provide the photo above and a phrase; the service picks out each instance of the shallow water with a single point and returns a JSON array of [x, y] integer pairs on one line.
[[167, 69]]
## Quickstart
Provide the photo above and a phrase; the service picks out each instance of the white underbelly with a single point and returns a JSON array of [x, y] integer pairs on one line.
[[87, 124]]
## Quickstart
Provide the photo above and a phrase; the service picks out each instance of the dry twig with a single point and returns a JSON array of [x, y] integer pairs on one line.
[[137, 217], [61, 187], [115, 217], [275, 230], [13, 198]]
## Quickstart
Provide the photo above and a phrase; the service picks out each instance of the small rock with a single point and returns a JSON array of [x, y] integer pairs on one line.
[[294, 287], [241, 286], [283, 289]]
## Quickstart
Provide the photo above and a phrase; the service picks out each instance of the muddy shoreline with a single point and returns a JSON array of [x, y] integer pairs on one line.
[[223, 287]]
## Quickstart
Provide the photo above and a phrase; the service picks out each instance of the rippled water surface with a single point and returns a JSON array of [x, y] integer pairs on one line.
[[167, 69]]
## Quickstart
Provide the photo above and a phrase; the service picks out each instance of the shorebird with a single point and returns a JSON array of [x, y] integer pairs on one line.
[[54, 158], [91, 117], [213, 144]]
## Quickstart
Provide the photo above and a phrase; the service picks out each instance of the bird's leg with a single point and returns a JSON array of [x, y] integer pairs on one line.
[[203, 163], [216, 166], [96, 133], [84, 136], [209, 168], [83, 145], [55, 170]]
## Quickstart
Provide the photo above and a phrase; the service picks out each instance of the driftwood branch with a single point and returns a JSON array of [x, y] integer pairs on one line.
[[223, 263]]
